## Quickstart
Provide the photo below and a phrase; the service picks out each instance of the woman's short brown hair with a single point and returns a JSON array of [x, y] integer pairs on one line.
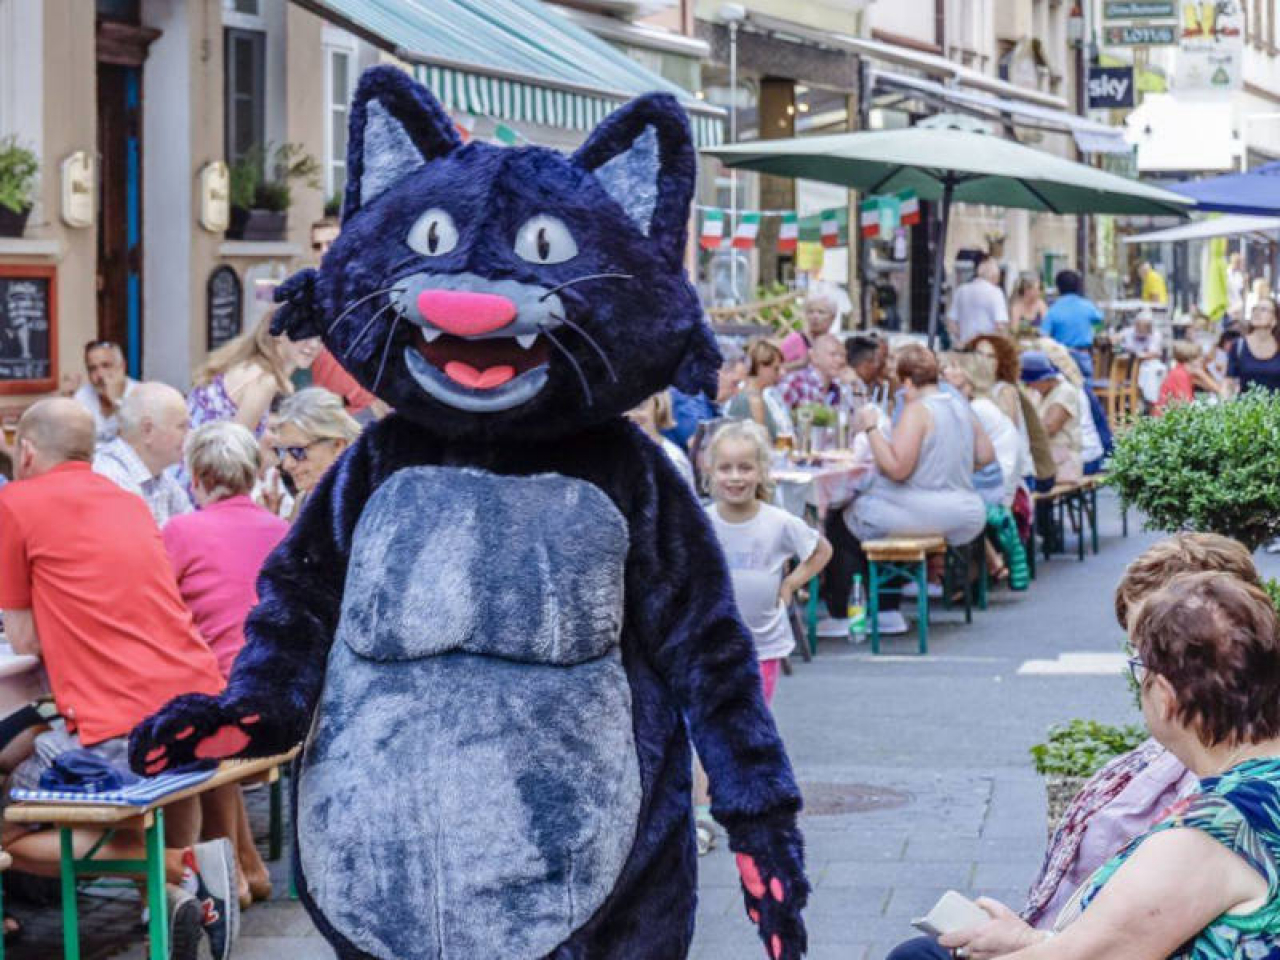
[[762, 353], [1181, 553], [1213, 637], [917, 364], [1008, 365]]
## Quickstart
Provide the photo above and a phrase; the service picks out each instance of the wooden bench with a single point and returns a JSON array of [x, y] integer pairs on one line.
[[895, 559], [67, 817]]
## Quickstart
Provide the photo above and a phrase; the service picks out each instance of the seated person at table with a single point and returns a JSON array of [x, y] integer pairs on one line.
[[759, 399], [108, 385], [820, 381], [864, 365], [923, 484], [153, 426], [1142, 341], [820, 314], [86, 587], [1201, 883], [1187, 375], [1058, 406], [653, 416], [312, 429]]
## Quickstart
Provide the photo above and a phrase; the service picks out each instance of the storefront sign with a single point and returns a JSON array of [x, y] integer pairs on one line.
[[225, 306], [1110, 88], [28, 329], [1211, 46], [1139, 9], [1145, 35]]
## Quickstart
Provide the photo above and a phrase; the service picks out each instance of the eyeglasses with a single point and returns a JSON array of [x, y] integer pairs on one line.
[[299, 454], [1137, 670]]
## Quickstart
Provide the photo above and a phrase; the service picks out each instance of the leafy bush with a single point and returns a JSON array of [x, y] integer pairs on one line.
[[289, 163], [18, 169], [1083, 747], [1205, 467]]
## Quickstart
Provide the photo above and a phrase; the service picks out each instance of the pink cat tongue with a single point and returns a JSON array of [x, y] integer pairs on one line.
[[485, 379]]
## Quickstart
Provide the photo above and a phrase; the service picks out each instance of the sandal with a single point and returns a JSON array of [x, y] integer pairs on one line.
[[706, 837]]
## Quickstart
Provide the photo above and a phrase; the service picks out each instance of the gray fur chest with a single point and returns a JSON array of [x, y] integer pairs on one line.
[[470, 787]]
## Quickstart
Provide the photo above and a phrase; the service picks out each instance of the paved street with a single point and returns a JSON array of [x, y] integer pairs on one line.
[[930, 754]]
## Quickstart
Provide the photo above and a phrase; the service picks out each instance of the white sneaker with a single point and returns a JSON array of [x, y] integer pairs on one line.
[[833, 627], [910, 589], [892, 622]]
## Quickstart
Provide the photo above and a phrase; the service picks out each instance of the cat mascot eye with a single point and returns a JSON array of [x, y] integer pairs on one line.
[[434, 233], [545, 239]]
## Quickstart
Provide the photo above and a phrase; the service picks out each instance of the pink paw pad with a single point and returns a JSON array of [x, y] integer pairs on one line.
[[750, 875], [775, 888], [184, 733], [251, 719], [754, 915], [226, 742], [775, 947]]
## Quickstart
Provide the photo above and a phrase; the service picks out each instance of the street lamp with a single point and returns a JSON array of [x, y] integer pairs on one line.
[[731, 15], [1075, 26]]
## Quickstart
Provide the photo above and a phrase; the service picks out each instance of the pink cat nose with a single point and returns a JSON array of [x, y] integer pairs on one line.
[[463, 313]]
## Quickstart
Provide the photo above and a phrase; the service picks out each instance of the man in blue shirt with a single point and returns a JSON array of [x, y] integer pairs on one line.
[[1071, 320]]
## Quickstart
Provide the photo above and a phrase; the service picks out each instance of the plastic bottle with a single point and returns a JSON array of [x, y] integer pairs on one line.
[[857, 612]]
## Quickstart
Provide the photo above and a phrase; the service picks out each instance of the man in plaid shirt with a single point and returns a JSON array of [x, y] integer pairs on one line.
[[820, 381]]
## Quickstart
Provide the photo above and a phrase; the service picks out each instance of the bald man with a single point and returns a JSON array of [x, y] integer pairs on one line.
[[821, 381], [153, 425]]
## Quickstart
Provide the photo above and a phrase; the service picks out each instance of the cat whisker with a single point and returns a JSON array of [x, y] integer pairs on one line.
[[589, 276], [582, 377], [386, 350], [351, 347], [591, 342], [365, 299]]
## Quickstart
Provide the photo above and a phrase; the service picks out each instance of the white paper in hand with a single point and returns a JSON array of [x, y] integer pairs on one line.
[[951, 913]]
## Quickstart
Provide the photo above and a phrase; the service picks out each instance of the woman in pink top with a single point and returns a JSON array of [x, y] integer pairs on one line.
[[216, 554]]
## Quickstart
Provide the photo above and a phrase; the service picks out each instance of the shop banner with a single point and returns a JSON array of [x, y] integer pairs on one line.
[[1211, 46], [1139, 9], [1141, 35], [1110, 88]]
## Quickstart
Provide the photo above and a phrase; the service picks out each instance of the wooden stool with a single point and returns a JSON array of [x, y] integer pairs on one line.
[[899, 558]]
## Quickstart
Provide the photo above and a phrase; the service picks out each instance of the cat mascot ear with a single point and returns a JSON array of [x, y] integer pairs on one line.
[[643, 156]]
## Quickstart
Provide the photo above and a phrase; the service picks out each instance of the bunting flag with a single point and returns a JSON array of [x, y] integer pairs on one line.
[[712, 229], [831, 229], [744, 238], [869, 218], [789, 232], [465, 125], [505, 135], [908, 208]]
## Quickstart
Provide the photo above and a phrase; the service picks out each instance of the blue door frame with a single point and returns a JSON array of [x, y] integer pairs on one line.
[[133, 205]]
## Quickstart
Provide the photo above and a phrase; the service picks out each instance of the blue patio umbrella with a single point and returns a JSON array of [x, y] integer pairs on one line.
[[1255, 192]]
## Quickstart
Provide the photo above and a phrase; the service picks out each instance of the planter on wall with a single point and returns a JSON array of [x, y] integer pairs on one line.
[[12, 224], [259, 225]]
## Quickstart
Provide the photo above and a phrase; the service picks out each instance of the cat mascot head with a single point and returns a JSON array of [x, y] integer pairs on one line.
[[508, 293]]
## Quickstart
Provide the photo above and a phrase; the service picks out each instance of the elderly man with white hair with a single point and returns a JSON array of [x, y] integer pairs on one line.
[[153, 425], [979, 306]]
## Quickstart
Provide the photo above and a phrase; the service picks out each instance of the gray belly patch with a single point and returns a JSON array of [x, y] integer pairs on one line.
[[470, 787]]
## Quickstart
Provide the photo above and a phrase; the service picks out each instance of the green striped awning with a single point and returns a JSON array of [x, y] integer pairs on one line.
[[518, 61]]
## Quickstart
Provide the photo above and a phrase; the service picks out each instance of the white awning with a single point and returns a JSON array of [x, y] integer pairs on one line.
[[1232, 225], [1185, 136], [1090, 136]]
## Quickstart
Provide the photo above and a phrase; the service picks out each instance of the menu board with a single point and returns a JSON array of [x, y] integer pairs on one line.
[[225, 306], [28, 328]]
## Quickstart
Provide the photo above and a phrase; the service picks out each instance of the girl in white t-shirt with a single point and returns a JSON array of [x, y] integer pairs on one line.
[[758, 540]]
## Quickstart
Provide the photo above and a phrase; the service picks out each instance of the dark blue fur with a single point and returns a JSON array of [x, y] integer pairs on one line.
[[688, 659]]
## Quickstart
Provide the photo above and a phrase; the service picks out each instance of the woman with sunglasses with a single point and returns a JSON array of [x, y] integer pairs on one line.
[[312, 430]]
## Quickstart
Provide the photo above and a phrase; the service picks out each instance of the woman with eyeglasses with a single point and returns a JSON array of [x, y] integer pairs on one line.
[[312, 430]]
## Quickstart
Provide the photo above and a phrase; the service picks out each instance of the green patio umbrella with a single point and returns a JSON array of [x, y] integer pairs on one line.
[[946, 159]]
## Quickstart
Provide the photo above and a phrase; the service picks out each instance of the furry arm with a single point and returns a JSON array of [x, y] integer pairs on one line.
[[680, 592], [277, 678]]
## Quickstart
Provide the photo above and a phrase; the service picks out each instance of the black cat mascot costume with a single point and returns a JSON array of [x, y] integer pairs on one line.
[[503, 613]]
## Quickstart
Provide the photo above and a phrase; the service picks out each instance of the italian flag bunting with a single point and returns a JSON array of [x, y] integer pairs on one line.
[[869, 217], [908, 208], [712, 229], [789, 232], [465, 125], [744, 238], [505, 135], [831, 229]]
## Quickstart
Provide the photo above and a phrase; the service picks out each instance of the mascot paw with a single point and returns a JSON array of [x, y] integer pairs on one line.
[[299, 312], [770, 859], [192, 728]]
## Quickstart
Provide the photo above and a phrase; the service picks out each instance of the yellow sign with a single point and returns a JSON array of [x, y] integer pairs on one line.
[[809, 256]]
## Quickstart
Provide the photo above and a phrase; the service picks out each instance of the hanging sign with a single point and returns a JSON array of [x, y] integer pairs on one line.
[[1110, 88], [1211, 46], [1144, 35], [1139, 9], [225, 307]]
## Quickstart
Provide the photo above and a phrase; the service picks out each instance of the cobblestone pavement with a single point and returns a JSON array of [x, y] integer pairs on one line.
[[916, 772]]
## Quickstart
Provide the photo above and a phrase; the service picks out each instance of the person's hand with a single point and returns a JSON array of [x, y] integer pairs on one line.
[[866, 418], [786, 591], [115, 391], [69, 384], [1005, 932]]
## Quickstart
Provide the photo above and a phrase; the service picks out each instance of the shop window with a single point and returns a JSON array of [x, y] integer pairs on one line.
[[340, 72], [245, 82]]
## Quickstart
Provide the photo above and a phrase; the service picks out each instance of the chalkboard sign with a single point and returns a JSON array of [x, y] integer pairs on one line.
[[225, 298], [28, 328]]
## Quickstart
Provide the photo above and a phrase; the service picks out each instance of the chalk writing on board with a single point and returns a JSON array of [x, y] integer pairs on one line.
[[24, 328], [225, 298]]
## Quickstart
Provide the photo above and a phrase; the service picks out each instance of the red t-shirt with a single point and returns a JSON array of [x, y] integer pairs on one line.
[[86, 558], [328, 373], [1177, 387]]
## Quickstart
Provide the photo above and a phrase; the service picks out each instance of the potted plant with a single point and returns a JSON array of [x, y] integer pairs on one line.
[[260, 203], [1205, 467], [1074, 752], [18, 169]]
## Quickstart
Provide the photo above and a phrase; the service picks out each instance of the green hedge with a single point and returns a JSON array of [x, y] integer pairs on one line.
[[1083, 747]]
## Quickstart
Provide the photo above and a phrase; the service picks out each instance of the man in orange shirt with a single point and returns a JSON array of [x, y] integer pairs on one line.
[[85, 585]]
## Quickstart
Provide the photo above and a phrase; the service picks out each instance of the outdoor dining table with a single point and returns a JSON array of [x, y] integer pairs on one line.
[[828, 484]]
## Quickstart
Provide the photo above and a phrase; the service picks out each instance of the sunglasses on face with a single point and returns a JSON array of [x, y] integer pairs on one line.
[[299, 454], [1137, 670]]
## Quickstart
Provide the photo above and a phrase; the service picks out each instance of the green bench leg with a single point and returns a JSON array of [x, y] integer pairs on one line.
[[70, 919], [983, 584], [922, 605], [873, 603], [158, 908], [811, 616]]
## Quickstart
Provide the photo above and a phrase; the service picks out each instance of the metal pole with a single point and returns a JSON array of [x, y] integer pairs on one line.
[[733, 173], [940, 261]]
